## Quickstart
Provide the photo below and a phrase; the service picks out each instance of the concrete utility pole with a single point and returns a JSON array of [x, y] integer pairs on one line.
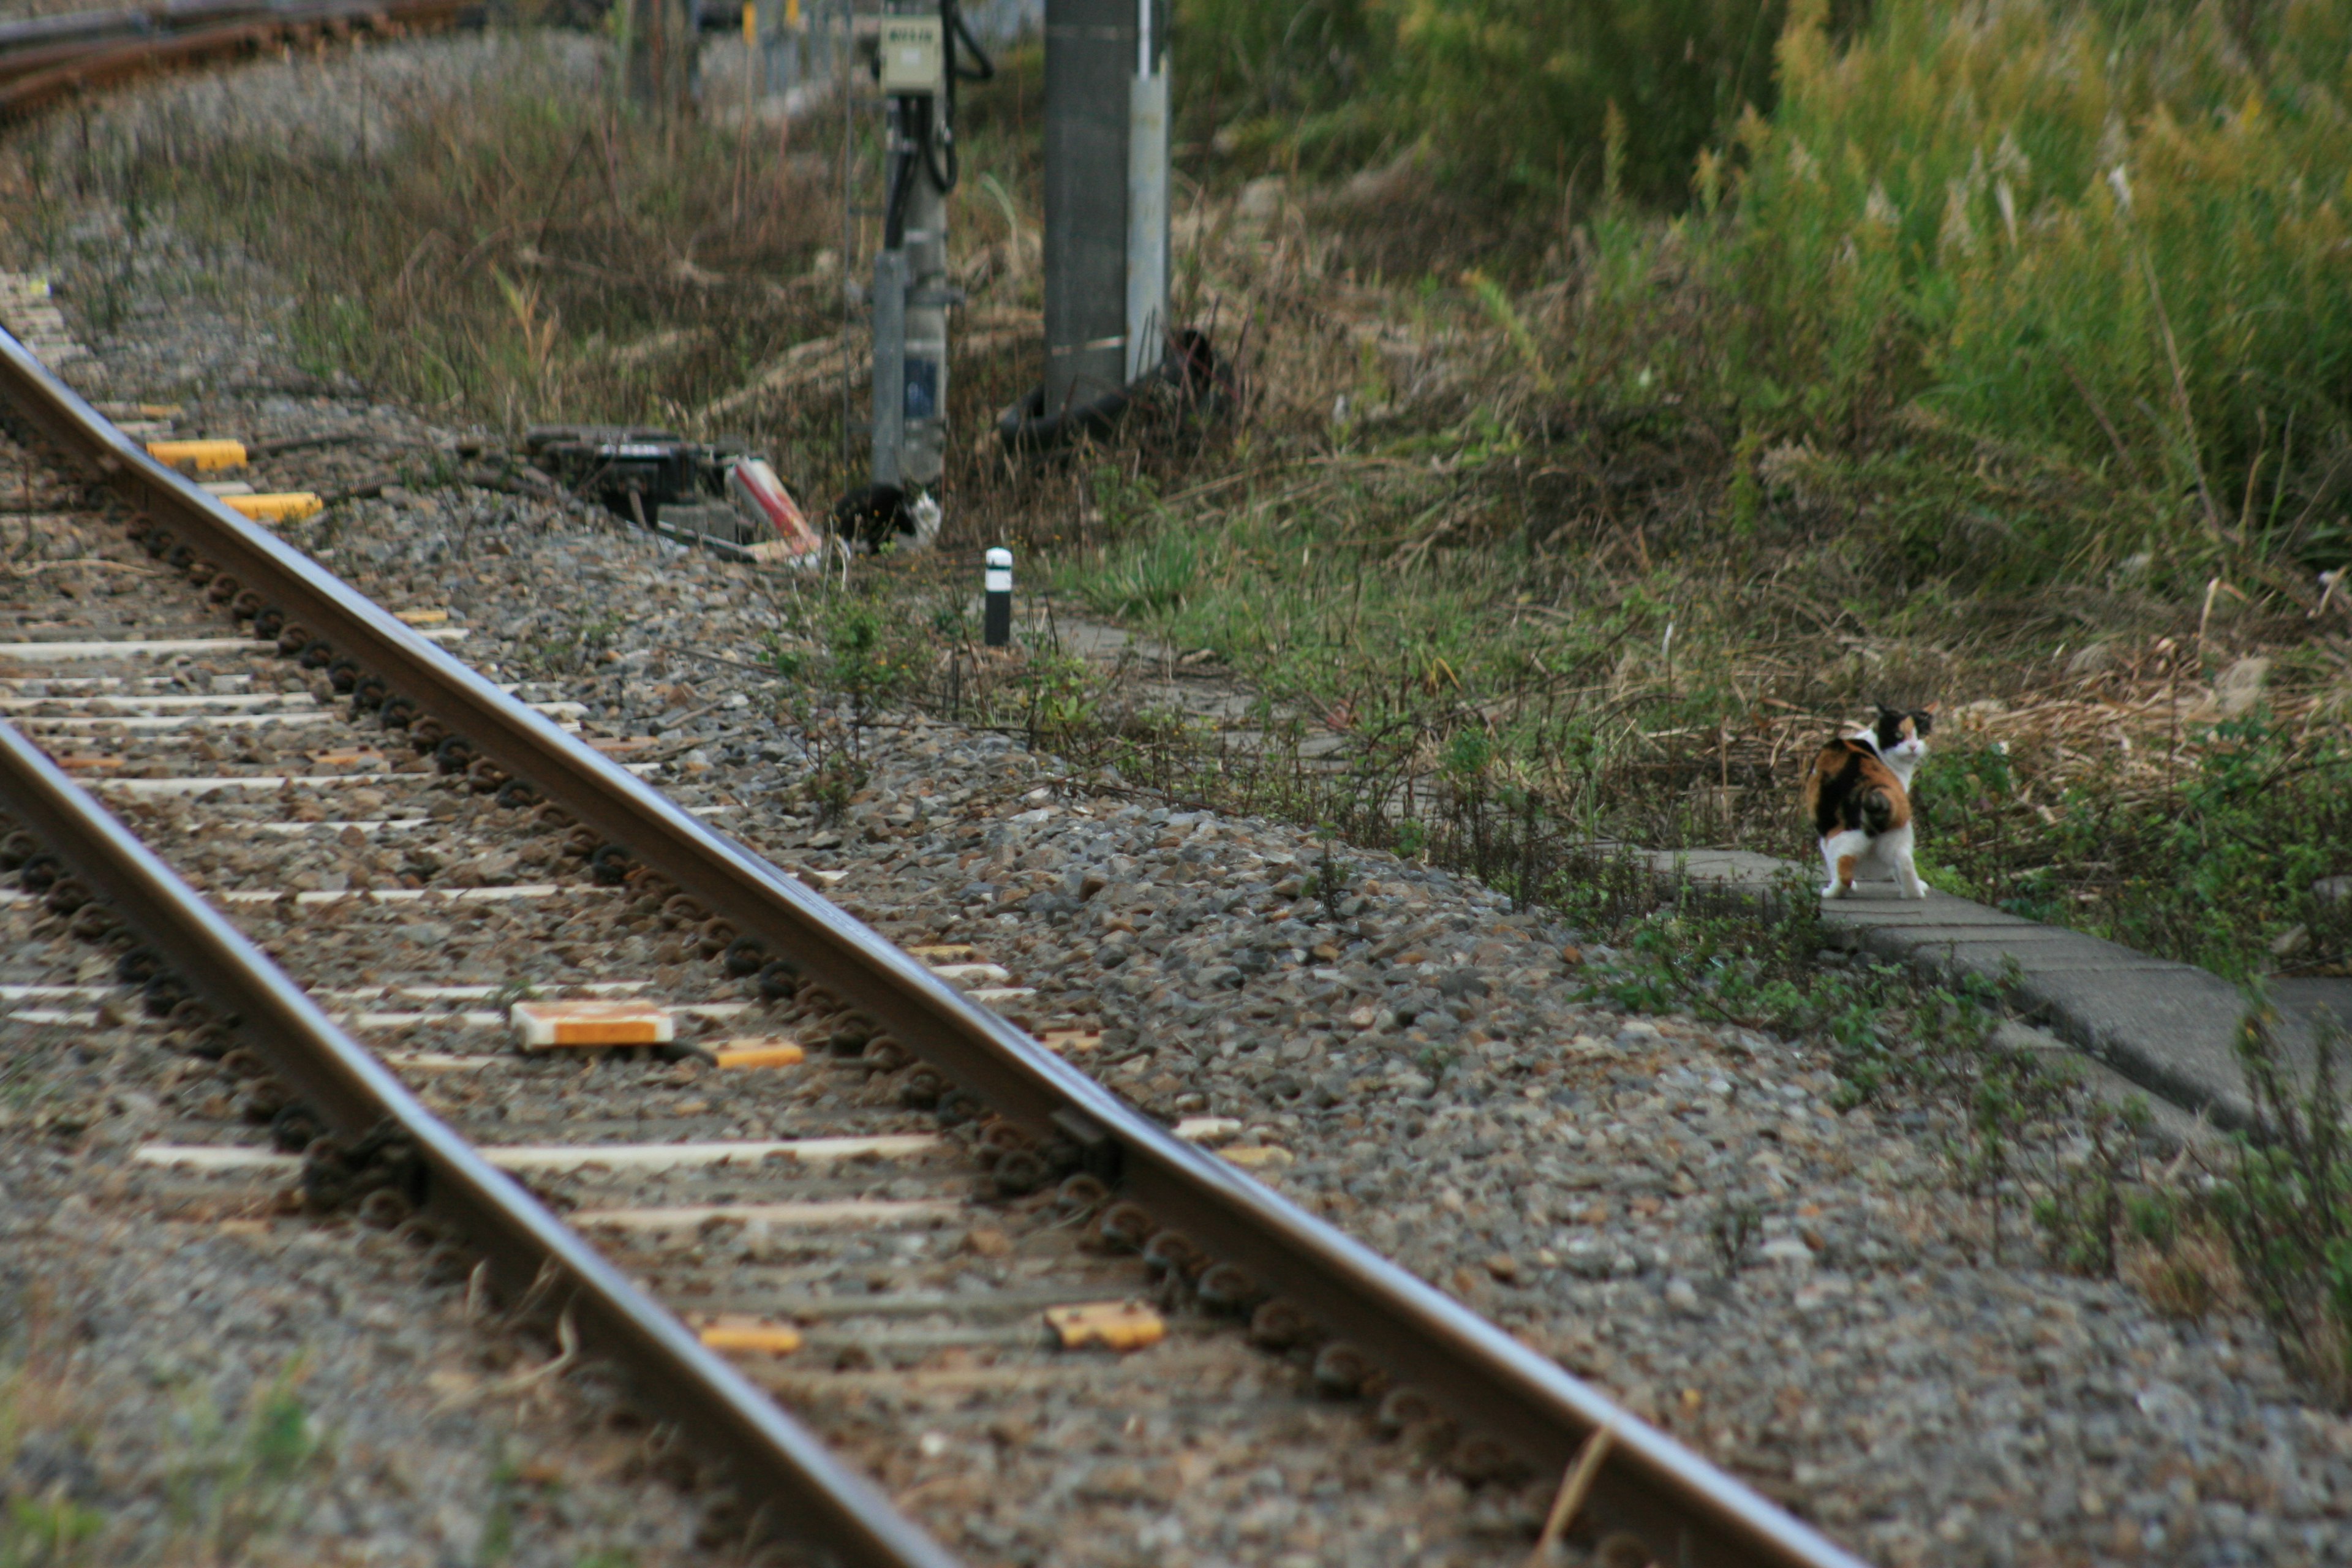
[[1105, 196]]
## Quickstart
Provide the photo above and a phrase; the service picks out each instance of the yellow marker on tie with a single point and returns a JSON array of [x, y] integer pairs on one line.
[[198, 457], [731, 1333], [751, 24], [539, 1025], [1114, 1325], [759, 1054], [292, 506], [792, 13]]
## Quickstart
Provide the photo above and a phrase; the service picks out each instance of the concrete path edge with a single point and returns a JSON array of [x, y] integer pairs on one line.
[[2135, 1025]]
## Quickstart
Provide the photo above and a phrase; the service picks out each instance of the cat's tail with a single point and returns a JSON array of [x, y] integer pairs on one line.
[[1880, 810]]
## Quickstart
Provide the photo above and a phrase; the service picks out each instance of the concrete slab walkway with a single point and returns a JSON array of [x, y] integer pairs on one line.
[[2170, 1028]]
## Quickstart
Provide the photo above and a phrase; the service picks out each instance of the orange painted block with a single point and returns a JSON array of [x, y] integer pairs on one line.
[[544, 1025], [290, 507], [348, 757], [946, 952], [198, 457], [1071, 1042], [82, 763], [611, 744], [759, 1053], [421, 618], [750, 1334], [1258, 1156], [1114, 1325]]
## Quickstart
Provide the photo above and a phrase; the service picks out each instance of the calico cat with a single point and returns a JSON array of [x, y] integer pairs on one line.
[[1858, 794]]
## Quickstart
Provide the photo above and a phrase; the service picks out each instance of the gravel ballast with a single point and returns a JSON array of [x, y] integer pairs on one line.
[[198, 1377]]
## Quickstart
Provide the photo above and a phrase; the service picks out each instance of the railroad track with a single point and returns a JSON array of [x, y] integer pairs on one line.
[[48, 60], [844, 1188]]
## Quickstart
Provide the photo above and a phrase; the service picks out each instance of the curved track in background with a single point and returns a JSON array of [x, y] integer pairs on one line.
[[1682, 1508], [45, 61]]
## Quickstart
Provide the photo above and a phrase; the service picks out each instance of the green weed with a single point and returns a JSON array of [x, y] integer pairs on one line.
[[1151, 581], [2102, 231], [2226, 867], [236, 1477], [2287, 1207], [1508, 93]]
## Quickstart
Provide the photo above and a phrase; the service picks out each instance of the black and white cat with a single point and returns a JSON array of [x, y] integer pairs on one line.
[[1858, 794]]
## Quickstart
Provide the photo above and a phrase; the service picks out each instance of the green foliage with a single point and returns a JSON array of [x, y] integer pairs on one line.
[[1734, 1229], [573, 648], [2210, 871], [2288, 1207], [2109, 232], [1517, 97], [236, 1479], [540, 253], [2093, 1201], [876, 654], [1726, 961], [1150, 580], [46, 1531], [1468, 755]]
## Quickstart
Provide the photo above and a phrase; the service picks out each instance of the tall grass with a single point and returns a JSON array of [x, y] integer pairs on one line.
[[2113, 232], [2110, 232], [1516, 96]]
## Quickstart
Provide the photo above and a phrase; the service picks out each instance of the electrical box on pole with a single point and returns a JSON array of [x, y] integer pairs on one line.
[[917, 67]]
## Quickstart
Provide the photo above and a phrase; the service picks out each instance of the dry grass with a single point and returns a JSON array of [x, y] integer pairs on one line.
[[2192, 1278]]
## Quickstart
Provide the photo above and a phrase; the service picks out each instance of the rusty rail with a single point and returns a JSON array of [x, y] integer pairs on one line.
[[1683, 1509], [41, 74]]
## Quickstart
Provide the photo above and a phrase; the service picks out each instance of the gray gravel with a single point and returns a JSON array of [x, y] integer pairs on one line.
[[201, 1377]]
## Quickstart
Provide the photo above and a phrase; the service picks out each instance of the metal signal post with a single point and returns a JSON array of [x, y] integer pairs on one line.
[[918, 68]]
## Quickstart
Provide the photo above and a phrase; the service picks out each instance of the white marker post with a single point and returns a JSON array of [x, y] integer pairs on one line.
[[996, 619]]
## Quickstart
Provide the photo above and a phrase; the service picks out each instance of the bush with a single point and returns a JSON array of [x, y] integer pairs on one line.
[[1515, 96], [2288, 1212], [2213, 866], [2112, 231]]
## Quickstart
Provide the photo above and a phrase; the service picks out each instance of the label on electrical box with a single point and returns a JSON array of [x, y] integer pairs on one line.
[[910, 55], [922, 388]]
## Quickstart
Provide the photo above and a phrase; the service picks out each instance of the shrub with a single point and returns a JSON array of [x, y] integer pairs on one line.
[[1515, 96], [2112, 231], [2288, 1211]]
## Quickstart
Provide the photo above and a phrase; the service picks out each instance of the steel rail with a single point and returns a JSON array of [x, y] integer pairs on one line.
[[131, 21], [73, 27], [65, 70], [1684, 1510], [791, 1482], [83, 29]]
